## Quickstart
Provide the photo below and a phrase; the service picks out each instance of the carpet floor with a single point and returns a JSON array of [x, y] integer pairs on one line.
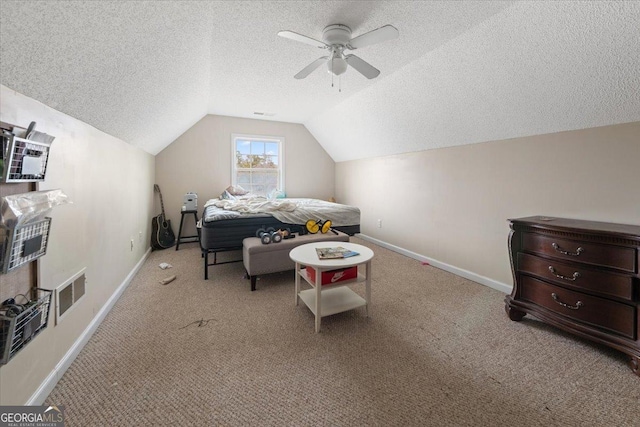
[[437, 350]]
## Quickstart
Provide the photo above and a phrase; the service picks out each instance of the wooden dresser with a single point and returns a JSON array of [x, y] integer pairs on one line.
[[581, 276]]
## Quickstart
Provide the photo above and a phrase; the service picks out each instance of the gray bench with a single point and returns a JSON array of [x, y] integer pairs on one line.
[[261, 259]]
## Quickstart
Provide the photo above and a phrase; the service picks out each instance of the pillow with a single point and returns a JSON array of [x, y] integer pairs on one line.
[[236, 190], [276, 194], [227, 196]]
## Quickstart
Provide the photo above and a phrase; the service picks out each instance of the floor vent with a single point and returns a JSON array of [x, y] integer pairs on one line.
[[69, 293]]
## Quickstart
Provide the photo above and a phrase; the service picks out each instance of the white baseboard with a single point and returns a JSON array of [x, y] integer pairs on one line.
[[499, 286], [52, 379]]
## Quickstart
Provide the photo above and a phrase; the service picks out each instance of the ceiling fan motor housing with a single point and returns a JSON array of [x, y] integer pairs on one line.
[[336, 34]]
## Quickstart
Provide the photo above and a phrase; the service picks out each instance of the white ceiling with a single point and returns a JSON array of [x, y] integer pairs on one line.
[[460, 72]]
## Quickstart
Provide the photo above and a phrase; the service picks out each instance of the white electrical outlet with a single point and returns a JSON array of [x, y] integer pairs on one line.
[[379, 223], [132, 245], [140, 236]]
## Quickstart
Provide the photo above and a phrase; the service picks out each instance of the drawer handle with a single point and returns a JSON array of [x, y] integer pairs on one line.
[[563, 252], [560, 276], [571, 307]]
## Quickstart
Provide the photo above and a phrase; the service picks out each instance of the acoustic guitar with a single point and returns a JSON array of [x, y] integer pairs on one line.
[[162, 236]]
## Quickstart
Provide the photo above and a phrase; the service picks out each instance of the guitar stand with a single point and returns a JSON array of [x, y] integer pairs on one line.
[[188, 239]]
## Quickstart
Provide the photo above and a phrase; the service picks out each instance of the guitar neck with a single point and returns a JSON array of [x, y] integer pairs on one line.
[[157, 188]]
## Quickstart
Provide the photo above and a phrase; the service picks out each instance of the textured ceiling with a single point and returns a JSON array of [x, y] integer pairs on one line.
[[253, 69], [460, 72], [531, 69], [128, 68]]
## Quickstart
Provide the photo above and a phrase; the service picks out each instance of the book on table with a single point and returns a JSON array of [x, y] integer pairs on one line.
[[335, 253]]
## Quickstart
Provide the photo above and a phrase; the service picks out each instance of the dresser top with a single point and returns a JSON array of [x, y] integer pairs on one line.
[[565, 224]]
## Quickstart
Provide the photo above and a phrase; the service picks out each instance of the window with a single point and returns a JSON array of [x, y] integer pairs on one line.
[[257, 163]]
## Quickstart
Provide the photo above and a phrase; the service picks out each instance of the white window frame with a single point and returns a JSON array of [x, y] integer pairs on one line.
[[266, 138]]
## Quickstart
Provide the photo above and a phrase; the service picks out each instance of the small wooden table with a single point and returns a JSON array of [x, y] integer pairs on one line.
[[328, 299], [188, 239]]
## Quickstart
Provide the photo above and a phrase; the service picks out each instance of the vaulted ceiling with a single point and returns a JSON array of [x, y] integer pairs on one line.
[[461, 72]]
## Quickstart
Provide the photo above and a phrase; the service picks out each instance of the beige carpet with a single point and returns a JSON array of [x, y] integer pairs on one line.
[[437, 350]]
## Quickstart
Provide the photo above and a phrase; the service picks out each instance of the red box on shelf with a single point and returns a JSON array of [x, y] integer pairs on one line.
[[334, 276]]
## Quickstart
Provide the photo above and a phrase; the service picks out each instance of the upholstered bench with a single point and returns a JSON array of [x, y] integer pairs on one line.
[[261, 259]]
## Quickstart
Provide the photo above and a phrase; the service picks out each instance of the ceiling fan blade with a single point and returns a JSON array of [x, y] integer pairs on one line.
[[382, 34], [303, 39], [363, 67], [311, 67]]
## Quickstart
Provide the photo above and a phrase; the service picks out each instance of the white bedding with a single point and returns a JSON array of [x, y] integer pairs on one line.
[[291, 211]]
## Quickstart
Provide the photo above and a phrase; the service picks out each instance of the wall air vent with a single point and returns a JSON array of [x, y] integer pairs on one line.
[[69, 293]]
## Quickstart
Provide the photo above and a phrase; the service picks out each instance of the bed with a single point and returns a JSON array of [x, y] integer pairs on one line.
[[226, 222]]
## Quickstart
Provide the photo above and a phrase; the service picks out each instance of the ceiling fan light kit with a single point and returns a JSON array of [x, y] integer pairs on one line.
[[337, 38], [337, 65]]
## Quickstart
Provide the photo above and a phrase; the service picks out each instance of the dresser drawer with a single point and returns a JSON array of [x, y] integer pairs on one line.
[[617, 257], [578, 276], [611, 315]]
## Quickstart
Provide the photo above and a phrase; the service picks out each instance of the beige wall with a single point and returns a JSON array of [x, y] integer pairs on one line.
[[200, 161], [452, 204], [110, 184]]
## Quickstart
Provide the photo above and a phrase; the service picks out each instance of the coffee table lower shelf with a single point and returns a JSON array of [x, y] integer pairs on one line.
[[333, 301]]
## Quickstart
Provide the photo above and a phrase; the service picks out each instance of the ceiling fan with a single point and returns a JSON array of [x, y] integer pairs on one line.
[[337, 39]]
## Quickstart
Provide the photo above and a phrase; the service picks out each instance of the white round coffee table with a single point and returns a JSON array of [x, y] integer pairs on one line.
[[331, 298]]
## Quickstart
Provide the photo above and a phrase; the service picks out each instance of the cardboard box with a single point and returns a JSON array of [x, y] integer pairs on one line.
[[334, 276]]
